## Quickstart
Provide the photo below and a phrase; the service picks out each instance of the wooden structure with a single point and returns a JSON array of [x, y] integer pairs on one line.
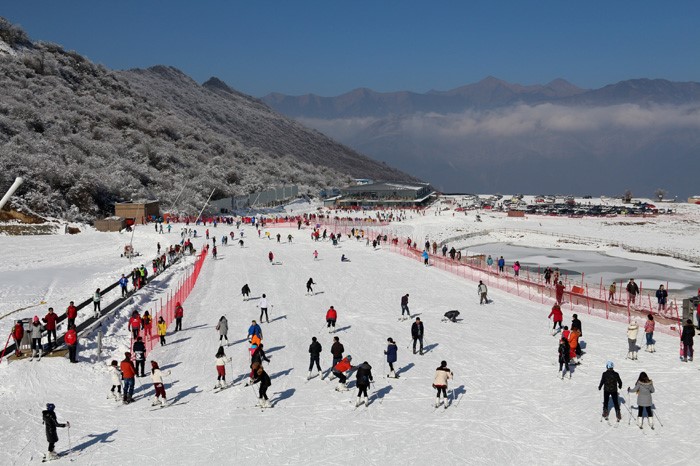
[[138, 211], [110, 224]]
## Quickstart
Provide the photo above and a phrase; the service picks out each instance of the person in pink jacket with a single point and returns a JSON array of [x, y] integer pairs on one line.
[[649, 333], [442, 375]]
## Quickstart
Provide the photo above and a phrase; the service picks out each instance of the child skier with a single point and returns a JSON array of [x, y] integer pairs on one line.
[[564, 357], [391, 353], [116, 381], [157, 377], [221, 361], [51, 423], [162, 328], [264, 379], [442, 375]]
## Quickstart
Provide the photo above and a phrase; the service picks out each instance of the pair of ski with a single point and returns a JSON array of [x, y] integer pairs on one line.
[[72, 454], [159, 406], [219, 389]]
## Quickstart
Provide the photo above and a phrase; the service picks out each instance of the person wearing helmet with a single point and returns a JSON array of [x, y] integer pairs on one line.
[[612, 382], [35, 334], [51, 423]]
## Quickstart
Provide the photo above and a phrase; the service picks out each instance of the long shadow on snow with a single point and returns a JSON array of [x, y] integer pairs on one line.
[[456, 392], [180, 340], [405, 368], [196, 326], [281, 373], [381, 393], [184, 393], [282, 396], [169, 366], [238, 341], [276, 348], [341, 329], [252, 298], [279, 318], [95, 438], [430, 347], [241, 377]]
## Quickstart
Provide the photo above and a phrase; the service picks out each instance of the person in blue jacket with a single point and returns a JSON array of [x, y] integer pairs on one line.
[[661, 295], [390, 352], [254, 329], [425, 256], [501, 263], [123, 282]]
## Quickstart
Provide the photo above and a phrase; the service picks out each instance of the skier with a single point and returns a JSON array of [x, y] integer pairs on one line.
[[331, 317], [425, 257], [96, 303], [556, 317], [611, 381], [560, 292], [337, 350], [128, 374], [649, 333], [442, 375], [179, 312], [315, 255], [661, 296], [391, 356], [17, 335], [135, 324], [482, 291], [214, 251], [632, 331], [573, 344], [147, 324], [50, 319], [162, 329], [687, 339], [644, 388], [417, 331], [221, 361], [258, 355], [139, 351], [157, 377], [339, 370], [501, 264], [264, 379], [116, 381], [49, 420], [404, 307], [222, 327], [632, 291], [310, 290], [262, 304], [71, 340], [564, 357], [35, 334], [123, 283], [364, 378], [451, 316], [343, 258], [245, 291], [254, 331], [315, 349], [270, 256]]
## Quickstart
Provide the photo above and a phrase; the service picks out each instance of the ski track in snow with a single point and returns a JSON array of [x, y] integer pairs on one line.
[[509, 405]]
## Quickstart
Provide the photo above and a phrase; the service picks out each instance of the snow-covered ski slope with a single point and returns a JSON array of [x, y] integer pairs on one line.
[[510, 407]]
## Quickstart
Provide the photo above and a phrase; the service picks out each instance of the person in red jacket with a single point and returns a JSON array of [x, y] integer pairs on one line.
[[339, 371], [270, 256], [135, 324], [128, 375], [331, 317], [71, 339], [17, 335], [50, 320], [179, 312], [560, 292], [71, 314], [556, 316]]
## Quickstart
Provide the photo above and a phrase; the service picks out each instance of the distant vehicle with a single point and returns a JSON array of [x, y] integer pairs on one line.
[[588, 196]]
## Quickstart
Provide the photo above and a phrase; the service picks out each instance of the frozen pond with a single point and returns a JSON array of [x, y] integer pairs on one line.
[[594, 266]]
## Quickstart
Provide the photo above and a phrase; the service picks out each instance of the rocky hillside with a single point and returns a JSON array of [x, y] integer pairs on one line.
[[84, 136]]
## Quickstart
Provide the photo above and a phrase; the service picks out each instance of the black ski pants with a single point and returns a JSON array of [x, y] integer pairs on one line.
[[362, 390], [606, 399], [263, 310], [140, 367], [262, 393], [404, 308], [314, 359], [52, 336], [341, 377], [441, 389], [418, 339], [178, 323], [331, 323], [72, 353]]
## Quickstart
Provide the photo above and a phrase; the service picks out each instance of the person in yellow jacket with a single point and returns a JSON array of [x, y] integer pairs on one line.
[[162, 327]]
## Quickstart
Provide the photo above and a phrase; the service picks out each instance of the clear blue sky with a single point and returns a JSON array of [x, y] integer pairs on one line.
[[329, 47]]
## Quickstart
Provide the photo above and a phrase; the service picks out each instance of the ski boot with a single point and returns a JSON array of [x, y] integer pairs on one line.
[[359, 402], [618, 415], [308, 377], [437, 402], [640, 422], [651, 422]]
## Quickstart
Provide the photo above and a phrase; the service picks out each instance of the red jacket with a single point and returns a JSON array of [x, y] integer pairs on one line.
[[135, 322], [556, 312], [331, 314], [343, 365], [270, 256], [72, 312], [560, 289], [18, 332], [50, 320], [71, 337], [179, 311], [127, 368]]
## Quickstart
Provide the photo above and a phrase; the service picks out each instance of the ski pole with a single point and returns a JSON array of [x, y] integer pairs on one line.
[[69, 442], [657, 417]]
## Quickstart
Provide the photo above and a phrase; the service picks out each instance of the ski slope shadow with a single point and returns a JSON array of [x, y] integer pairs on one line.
[[430, 347], [184, 393], [196, 326], [276, 348], [282, 396], [253, 298], [180, 340], [94, 439], [238, 341], [241, 377], [457, 392], [278, 318], [381, 393], [169, 366], [342, 329], [281, 373], [405, 368]]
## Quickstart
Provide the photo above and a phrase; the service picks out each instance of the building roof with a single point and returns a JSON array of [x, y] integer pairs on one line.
[[387, 186], [139, 202]]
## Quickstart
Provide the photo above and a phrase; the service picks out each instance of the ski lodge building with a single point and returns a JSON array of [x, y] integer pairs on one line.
[[386, 194], [137, 212]]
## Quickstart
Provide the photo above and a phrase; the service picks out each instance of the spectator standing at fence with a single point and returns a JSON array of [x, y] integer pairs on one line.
[[425, 257], [179, 312], [687, 339], [129, 376], [516, 268], [123, 283], [611, 291], [560, 292], [50, 319], [649, 333], [632, 291], [501, 264], [661, 296], [71, 313], [71, 339], [162, 329], [489, 262], [17, 335]]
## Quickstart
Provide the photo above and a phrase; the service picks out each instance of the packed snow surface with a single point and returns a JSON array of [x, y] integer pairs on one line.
[[509, 405]]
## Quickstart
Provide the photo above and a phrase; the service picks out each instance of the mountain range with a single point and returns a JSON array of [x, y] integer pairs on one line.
[[638, 134]]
